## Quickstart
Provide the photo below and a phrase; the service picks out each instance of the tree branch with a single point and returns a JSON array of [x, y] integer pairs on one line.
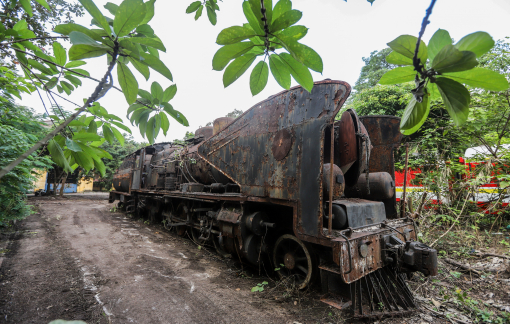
[[35, 38], [90, 100], [416, 61]]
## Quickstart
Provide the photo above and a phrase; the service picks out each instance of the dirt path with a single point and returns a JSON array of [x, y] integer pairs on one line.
[[77, 260]]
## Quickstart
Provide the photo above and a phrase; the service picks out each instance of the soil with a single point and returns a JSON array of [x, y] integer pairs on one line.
[[76, 259]]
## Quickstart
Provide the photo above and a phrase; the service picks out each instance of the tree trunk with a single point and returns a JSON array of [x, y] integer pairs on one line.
[[55, 181], [64, 178]]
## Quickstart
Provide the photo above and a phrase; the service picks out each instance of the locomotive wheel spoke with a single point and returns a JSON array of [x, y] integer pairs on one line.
[[296, 259]]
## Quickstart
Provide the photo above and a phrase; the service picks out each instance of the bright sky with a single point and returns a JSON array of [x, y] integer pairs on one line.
[[341, 32]]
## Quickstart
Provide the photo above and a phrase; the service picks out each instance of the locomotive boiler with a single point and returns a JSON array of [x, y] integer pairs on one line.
[[286, 183]]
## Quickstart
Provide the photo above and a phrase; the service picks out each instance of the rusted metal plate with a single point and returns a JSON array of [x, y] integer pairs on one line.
[[282, 143], [346, 151], [243, 149], [229, 215], [384, 132]]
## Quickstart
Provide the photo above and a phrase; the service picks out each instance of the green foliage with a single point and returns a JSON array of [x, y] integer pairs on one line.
[[117, 151], [450, 65], [19, 129], [149, 113], [259, 287], [211, 7], [268, 29], [375, 66]]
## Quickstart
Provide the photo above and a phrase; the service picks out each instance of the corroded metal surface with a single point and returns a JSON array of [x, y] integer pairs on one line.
[[243, 151], [282, 144], [384, 132]]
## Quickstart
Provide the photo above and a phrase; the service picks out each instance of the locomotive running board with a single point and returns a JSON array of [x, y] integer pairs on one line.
[[379, 294]]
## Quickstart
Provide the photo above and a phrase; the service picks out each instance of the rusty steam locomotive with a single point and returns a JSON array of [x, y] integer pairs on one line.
[[288, 184]]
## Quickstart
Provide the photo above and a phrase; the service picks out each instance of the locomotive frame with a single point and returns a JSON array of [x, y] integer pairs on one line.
[[287, 184]]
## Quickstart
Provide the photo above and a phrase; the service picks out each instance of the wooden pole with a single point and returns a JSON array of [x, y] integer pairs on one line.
[[403, 201]]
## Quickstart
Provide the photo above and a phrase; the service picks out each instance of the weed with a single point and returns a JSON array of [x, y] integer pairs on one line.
[[259, 287], [456, 274]]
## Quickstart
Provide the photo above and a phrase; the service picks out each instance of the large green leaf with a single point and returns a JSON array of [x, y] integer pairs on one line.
[[83, 159], [258, 77], [175, 114], [299, 72], [72, 145], [43, 3], [78, 38], [145, 94], [440, 39], [398, 59], [99, 165], [96, 14], [66, 29], [74, 63], [296, 32], [122, 126], [229, 52], [415, 115], [433, 91], [279, 71], [130, 15], [252, 19], [281, 7], [234, 34], [156, 90], [140, 67], [111, 7], [285, 20], [26, 6], [211, 14], [303, 53], [156, 64], [169, 93], [456, 99], [108, 134], [478, 43], [145, 30], [450, 59], [199, 12], [88, 136], [118, 135], [78, 52], [149, 11], [256, 9], [142, 122], [127, 82], [60, 53], [57, 155], [150, 130], [235, 69], [152, 42], [39, 66], [406, 45], [193, 6], [398, 75], [481, 78], [165, 123]]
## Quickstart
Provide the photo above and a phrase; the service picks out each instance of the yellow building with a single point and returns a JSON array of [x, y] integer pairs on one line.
[[83, 186]]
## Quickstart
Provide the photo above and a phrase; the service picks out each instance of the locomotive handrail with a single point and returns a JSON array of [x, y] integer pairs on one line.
[[349, 251]]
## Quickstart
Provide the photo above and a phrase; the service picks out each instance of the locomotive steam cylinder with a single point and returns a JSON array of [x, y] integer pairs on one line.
[[381, 187]]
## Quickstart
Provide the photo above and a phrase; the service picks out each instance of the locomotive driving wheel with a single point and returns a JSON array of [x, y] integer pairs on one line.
[[182, 215], [294, 259]]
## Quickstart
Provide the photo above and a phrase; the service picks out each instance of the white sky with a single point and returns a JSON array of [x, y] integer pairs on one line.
[[341, 32]]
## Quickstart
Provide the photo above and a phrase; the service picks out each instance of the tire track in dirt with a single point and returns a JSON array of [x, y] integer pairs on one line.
[[146, 276]]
